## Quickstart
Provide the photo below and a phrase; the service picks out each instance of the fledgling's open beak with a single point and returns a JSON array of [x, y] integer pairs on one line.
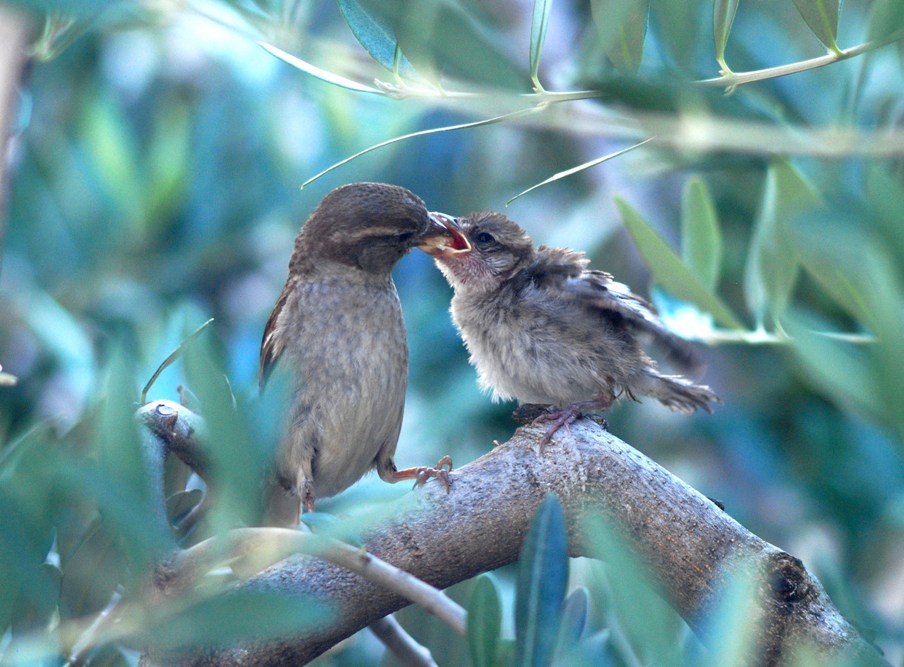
[[445, 238]]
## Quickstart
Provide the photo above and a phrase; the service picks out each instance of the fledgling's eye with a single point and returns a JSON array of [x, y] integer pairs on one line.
[[404, 237], [484, 239]]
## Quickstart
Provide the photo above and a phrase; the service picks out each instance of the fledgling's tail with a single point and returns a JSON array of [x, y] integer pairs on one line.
[[678, 353], [677, 393]]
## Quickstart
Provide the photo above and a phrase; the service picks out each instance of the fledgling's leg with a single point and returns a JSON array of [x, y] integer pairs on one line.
[[567, 415]]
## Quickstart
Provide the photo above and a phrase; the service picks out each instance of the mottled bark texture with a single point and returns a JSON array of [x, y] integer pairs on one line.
[[690, 545]]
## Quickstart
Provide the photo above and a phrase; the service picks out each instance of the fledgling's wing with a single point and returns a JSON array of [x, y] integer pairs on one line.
[[563, 273], [272, 343]]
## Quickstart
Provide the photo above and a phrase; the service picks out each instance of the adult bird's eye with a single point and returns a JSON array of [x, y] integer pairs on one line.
[[484, 239]]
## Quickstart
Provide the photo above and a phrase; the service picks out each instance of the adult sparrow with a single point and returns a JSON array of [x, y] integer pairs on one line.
[[542, 328], [337, 331]]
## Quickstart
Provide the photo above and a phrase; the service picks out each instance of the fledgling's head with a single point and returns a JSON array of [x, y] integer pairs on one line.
[[499, 248], [368, 226]]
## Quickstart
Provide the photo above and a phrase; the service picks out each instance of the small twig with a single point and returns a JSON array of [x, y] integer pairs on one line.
[[735, 79], [763, 337], [579, 168], [251, 550], [433, 130], [403, 645], [175, 354]]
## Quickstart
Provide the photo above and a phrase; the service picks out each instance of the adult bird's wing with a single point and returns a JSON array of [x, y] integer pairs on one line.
[[272, 344]]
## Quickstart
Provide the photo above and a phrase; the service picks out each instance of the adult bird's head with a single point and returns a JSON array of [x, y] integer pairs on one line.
[[492, 251], [367, 226]]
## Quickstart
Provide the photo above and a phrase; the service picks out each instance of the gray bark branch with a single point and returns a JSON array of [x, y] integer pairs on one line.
[[689, 545]]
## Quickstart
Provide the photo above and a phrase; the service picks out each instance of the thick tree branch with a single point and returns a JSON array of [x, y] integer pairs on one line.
[[691, 547]]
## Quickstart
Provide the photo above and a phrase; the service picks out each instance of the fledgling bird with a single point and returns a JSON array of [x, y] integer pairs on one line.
[[542, 328], [337, 329]]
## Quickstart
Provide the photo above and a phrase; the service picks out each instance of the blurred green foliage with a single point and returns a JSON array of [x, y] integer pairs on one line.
[[156, 185]]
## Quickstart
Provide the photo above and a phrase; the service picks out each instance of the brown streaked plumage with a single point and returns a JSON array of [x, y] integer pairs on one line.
[[337, 330], [542, 328]]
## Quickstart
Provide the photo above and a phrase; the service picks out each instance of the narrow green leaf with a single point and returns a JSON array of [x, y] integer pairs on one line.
[[123, 477], [452, 39], [622, 28], [240, 616], [822, 18], [886, 18], [885, 195], [376, 36], [701, 236], [168, 159], [887, 299], [542, 581], [832, 254], [322, 74], [239, 460], [574, 618], [175, 354], [837, 368], [114, 156], [539, 21], [484, 621], [772, 264], [723, 16], [635, 606], [580, 167], [668, 269], [677, 24], [733, 625], [421, 133]]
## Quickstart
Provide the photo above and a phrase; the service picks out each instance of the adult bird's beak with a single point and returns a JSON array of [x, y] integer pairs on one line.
[[444, 238]]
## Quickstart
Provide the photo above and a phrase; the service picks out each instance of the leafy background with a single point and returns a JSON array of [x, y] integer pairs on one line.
[[158, 155]]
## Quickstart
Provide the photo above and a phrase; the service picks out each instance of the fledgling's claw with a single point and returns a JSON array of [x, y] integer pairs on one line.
[[567, 416], [564, 417]]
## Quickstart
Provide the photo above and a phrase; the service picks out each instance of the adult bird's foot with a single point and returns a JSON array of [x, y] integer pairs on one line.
[[421, 474], [307, 497]]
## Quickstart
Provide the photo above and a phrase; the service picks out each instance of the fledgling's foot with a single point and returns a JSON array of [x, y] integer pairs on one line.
[[567, 416], [558, 418]]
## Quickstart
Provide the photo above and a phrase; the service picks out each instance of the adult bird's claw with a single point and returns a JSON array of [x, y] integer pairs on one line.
[[438, 472], [421, 474]]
